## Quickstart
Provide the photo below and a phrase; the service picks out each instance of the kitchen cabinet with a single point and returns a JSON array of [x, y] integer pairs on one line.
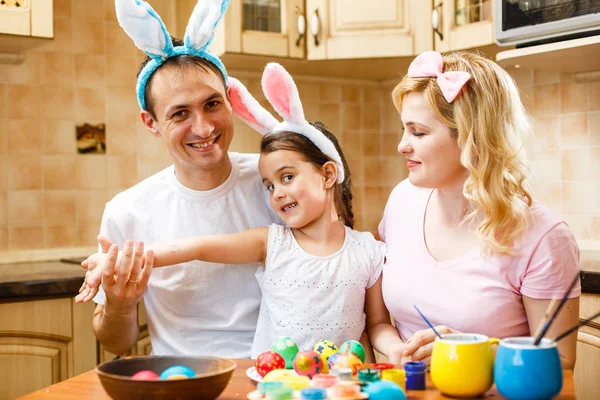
[[25, 24], [462, 24], [43, 342], [587, 368]]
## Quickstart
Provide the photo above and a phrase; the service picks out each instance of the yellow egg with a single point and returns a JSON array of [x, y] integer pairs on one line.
[[176, 377], [279, 374]]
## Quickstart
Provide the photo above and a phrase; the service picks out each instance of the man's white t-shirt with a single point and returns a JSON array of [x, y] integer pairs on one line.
[[195, 308]]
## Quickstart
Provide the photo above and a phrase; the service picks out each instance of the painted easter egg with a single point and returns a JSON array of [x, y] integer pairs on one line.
[[326, 349], [288, 350], [290, 378], [345, 360], [308, 363], [145, 375], [268, 361], [177, 372], [353, 347], [385, 390]]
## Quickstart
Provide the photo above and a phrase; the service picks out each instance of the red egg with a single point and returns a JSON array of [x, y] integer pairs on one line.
[[145, 375], [268, 361], [308, 363]]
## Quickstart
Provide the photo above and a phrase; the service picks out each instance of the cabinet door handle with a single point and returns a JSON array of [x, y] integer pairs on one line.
[[437, 20], [301, 25], [315, 26]]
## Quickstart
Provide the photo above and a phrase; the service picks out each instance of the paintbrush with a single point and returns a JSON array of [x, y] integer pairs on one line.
[[548, 323], [581, 323], [546, 316], [427, 321]]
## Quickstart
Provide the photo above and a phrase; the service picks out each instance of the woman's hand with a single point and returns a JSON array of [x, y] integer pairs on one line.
[[420, 345]]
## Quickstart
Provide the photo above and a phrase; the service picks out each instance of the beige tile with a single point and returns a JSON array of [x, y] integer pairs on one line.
[[543, 77], [546, 100], [89, 71], [595, 227], [57, 69], [59, 136], [573, 97], [3, 101], [549, 194], [375, 199], [546, 166], [330, 93], [593, 121], [330, 115], [579, 197], [62, 7], [390, 142], [25, 237], [522, 76], [60, 206], [4, 132], [24, 101], [121, 139], [372, 171], [312, 110], [579, 224], [88, 34], [374, 95], [63, 37], [26, 73], [594, 163], [60, 236], [121, 72], [372, 145], [594, 96], [121, 171], [109, 10], [24, 135], [25, 206], [90, 171], [351, 117], [573, 128], [3, 238], [356, 166], [309, 92], [3, 171], [371, 117], [391, 119], [88, 10], [59, 171], [58, 102], [393, 171], [87, 233], [547, 131], [351, 94], [118, 43], [576, 164], [527, 93], [90, 205], [121, 106], [89, 105], [352, 145], [24, 172], [566, 76], [3, 207]]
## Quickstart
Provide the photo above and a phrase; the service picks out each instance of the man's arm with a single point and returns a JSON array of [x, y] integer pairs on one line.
[[106, 325]]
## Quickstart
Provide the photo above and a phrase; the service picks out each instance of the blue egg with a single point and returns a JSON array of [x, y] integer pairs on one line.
[[385, 390], [177, 370]]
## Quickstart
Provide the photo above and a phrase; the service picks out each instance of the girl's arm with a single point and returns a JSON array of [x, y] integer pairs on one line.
[[383, 336]]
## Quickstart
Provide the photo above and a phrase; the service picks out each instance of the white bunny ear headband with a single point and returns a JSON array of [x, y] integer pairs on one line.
[[144, 26], [282, 93]]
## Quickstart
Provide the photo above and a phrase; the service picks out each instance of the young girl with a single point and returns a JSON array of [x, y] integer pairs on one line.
[[319, 274]]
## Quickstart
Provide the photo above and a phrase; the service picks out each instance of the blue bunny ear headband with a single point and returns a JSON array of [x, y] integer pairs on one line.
[[139, 20]]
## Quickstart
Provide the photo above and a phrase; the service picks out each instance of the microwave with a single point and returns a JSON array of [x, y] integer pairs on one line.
[[529, 22]]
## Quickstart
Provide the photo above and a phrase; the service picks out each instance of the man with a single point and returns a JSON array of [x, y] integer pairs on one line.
[[196, 307]]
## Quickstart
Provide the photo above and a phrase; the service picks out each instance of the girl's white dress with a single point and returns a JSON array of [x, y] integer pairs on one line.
[[310, 298]]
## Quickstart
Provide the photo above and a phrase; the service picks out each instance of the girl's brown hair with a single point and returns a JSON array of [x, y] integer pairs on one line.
[[301, 144]]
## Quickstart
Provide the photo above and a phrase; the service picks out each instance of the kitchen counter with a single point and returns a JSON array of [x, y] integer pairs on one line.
[[56, 278], [51, 278]]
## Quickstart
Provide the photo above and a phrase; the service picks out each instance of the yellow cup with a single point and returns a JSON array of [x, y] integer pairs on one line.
[[462, 364]]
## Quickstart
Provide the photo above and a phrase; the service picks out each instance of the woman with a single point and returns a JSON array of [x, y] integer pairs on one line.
[[466, 242]]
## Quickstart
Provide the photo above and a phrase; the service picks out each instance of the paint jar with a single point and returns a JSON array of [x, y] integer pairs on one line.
[[323, 380], [343, 374], [280, 393], [369, 375], [265, 386], [397, 376], [381, 366], [313, 393], [415, 375]]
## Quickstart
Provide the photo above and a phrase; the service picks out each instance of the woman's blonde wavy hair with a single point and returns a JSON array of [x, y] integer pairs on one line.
[[488, 120]]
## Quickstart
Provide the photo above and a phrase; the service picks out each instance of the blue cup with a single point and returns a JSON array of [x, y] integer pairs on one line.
[[523, 371]]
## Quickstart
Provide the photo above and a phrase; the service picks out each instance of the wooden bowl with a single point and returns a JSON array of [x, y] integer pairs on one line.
[[212, 376]]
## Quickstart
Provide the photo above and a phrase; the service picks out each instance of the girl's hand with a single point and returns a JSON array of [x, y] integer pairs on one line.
[[420, 345], [396, 355], [93, 277]]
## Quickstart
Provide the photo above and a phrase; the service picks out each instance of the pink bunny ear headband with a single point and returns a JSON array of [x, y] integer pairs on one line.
[[431, 64], [282, 93]]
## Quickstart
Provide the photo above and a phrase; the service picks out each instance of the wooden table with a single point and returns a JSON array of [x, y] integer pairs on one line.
[[87, 386]]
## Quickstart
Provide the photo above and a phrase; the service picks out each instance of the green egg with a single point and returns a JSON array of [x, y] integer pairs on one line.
[[288, 350], [353, 347]]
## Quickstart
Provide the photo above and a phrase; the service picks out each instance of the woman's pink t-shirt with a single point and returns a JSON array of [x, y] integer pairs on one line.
[[472, 293]]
